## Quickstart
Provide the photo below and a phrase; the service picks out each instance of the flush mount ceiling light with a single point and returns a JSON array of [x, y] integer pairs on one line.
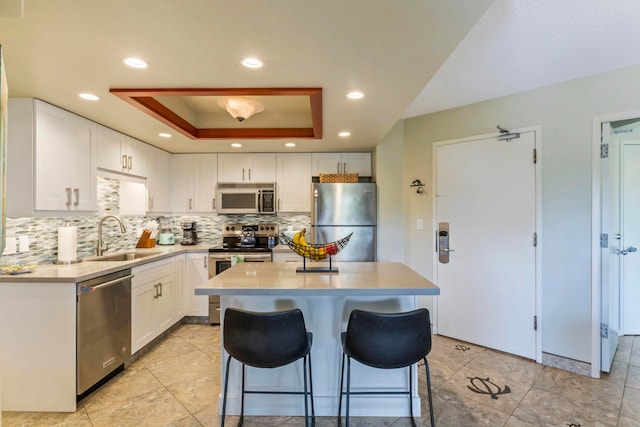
[[193, 112], [236, 145], [355, 95], [290, 144], [252, 63], [240, 108], [135, 62], [89, 96], [164, 135], [344, 134]]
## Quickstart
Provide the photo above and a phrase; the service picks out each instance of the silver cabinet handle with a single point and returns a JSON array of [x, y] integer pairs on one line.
[[205, 261], [124, 162], [190, 203], [68, 189], [130, 164], [338, 167], [243, 174], [278, 203], [76, 192], [249, 174], [213, 204], [344, 167], [155, 291], [160, 287]]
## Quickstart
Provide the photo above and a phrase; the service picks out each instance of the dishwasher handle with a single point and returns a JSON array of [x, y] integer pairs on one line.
[[86, 289]]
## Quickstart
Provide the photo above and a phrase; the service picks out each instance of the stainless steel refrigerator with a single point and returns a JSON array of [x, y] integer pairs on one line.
[[339, 209]]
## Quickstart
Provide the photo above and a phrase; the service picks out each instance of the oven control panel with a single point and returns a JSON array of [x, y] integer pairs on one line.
[[265, 230]]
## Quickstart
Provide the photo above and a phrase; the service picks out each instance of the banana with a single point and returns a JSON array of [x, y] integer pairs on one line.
[[306, 249], [298, 236]]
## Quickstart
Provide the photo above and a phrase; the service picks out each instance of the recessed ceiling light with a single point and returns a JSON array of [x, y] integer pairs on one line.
[[165, 135], [344, 134], [290, 144], [355, 95], [252, 63], [236, 145], [136, 63], [89, 96]]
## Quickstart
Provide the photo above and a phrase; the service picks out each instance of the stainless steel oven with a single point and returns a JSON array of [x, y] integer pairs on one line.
[[219, 262], [251, 241]]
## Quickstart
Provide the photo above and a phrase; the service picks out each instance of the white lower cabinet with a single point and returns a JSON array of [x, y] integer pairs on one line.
[[153, 295], [196, 273]]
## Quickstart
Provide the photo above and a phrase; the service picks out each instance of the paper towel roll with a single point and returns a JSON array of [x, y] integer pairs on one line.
[[67, 243]]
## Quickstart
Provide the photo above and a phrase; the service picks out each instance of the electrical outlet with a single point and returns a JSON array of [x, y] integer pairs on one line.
[[419, 224]]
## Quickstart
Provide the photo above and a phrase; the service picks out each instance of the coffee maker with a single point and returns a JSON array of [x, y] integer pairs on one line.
[[189, 235]]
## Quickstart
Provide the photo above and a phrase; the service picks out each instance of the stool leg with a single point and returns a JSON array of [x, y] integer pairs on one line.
[[313, 411], [306, 403], [226, 384], [244, 368], [426, 367], [413, 421], [340, 398], [348, 388]]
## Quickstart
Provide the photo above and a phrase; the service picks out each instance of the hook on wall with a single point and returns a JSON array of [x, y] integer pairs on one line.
[[419, 184]]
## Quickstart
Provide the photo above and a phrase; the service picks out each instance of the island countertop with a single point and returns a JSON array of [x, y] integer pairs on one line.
[[353, 278]]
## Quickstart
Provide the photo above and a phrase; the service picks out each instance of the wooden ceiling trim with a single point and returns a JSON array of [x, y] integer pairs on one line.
[[144, 99]]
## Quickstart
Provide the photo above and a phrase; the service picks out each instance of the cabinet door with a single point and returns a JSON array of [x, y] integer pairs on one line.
[[197, 274], [142, 304], [326, 163], [182, 195], [159, 183], [262, 167], [138, 155], [163, 311], [294, 182], [206, 178], [110, 149], [359, 163], [232, 168], [65, 160]]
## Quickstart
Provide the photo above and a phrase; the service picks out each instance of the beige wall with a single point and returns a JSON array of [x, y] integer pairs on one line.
[[565, 113]]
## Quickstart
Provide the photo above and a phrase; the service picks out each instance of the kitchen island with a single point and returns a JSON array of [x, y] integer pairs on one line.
[[326, 300]]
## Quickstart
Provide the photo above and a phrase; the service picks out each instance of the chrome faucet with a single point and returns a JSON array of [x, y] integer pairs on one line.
[[101, 246]]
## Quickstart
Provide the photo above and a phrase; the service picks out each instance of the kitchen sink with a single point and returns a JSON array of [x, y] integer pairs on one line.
[[126, 256]]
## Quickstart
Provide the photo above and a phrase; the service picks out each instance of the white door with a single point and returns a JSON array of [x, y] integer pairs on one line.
[[610, 260], [485, 191], [630, 238]]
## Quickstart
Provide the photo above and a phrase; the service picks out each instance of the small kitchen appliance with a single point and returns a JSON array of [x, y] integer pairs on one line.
[[245, 242], [189, 235]]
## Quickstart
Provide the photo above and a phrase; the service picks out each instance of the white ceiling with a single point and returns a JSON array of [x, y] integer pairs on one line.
[[409, 57]]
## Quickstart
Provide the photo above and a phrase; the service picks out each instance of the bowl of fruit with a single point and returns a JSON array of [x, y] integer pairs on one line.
[[315, 251]]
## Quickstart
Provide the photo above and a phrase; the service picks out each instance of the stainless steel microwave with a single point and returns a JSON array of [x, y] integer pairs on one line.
[[246, 198]]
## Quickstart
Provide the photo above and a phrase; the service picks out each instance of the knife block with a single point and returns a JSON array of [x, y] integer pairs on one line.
[[145, 240]]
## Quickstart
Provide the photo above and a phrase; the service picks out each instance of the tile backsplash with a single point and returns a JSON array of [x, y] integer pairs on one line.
[[43, 231]]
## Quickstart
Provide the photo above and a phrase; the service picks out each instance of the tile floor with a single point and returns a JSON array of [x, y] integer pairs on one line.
[[176, 384]]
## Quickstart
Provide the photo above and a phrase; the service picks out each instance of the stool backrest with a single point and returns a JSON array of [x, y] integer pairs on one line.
[[265, 339], [388, 340]]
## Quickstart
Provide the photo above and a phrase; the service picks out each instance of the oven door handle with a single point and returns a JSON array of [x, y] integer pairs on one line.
[[227, 257]]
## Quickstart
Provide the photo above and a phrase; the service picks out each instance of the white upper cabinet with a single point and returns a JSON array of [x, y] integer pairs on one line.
[[194, 182], [359, 163], [121, 153], [294, 182], [256, 167], [159, 182], [51, 159]]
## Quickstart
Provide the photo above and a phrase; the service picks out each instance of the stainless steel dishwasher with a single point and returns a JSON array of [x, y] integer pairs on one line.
[[103, 327]]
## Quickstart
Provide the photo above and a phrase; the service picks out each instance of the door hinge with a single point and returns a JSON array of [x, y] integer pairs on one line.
[[604, 240], [604, 330], [535, 156], [535, 323], [604, 151], [535, 240]]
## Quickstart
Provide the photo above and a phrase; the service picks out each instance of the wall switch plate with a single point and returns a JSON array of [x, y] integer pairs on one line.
[[23, 244], [419, 224], [10, 246]]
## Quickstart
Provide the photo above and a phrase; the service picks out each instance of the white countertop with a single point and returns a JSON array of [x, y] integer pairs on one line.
[[353, 278], [89, 269]]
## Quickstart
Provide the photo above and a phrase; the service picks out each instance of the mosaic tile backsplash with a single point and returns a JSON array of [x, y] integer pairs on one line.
[[43, 231]]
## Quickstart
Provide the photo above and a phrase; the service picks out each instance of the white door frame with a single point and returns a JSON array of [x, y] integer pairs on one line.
[[596, 228], [538, 250]]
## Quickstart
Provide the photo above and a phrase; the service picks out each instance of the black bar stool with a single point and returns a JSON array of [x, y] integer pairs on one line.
[[386, 341], [267, 340]]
